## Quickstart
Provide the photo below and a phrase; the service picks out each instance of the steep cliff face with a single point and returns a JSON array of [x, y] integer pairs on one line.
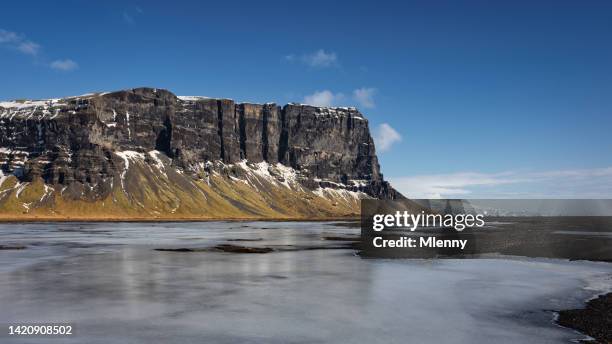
[[146, 152]]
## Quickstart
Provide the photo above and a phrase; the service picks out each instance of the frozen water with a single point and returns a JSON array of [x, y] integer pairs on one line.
[[107, 280]]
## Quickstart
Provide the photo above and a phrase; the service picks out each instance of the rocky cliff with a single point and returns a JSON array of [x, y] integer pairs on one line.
[[146, 153]]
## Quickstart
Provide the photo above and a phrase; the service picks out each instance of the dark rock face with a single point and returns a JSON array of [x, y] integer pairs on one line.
[[595, 320], [74, 139]]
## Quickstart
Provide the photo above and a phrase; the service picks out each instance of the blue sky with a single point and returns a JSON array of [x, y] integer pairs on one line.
[[463, 91]]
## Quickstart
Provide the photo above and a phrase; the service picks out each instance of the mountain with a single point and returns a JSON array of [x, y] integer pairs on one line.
[[145, 153]]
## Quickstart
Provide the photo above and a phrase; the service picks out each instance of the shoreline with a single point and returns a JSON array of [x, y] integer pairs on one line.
[[593, 320], [178, 219]]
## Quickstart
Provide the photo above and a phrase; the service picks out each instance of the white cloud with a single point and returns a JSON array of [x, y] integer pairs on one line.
[[323, 98], [365, 97], [385, 137], [447, 185], [64, 65], [18, 42], [319, 58], [28, 47], [8, 36], [583, 183]]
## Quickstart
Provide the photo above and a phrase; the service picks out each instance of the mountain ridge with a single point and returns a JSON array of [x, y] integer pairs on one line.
[[146, 152]]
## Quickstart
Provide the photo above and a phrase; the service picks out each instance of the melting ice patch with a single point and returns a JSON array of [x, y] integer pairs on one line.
[[20, 187], [2, 177], [17, 104], [27, 108], [154, 154], [114, 123], [276, 174], [279, 174], [288, 174], [127, 156], [127, 118], [332, 193], [48, 191]]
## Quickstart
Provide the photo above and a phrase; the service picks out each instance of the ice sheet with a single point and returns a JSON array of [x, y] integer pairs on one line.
[[108, 280]]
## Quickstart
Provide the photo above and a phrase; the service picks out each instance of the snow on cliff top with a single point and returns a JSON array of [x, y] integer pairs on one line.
[[21, 104], [45, 103], [191, 98]]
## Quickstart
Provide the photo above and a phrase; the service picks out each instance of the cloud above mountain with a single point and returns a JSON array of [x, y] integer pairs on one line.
[[385, 137], [361, 97], [318, 59], [324, 98], [365, 97], [20, 43], [64, 65]]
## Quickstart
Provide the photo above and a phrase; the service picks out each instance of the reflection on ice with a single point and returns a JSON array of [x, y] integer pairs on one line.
[[109, 282]]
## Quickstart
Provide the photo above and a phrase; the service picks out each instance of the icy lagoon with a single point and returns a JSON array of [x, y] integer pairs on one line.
[[107, 279]]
